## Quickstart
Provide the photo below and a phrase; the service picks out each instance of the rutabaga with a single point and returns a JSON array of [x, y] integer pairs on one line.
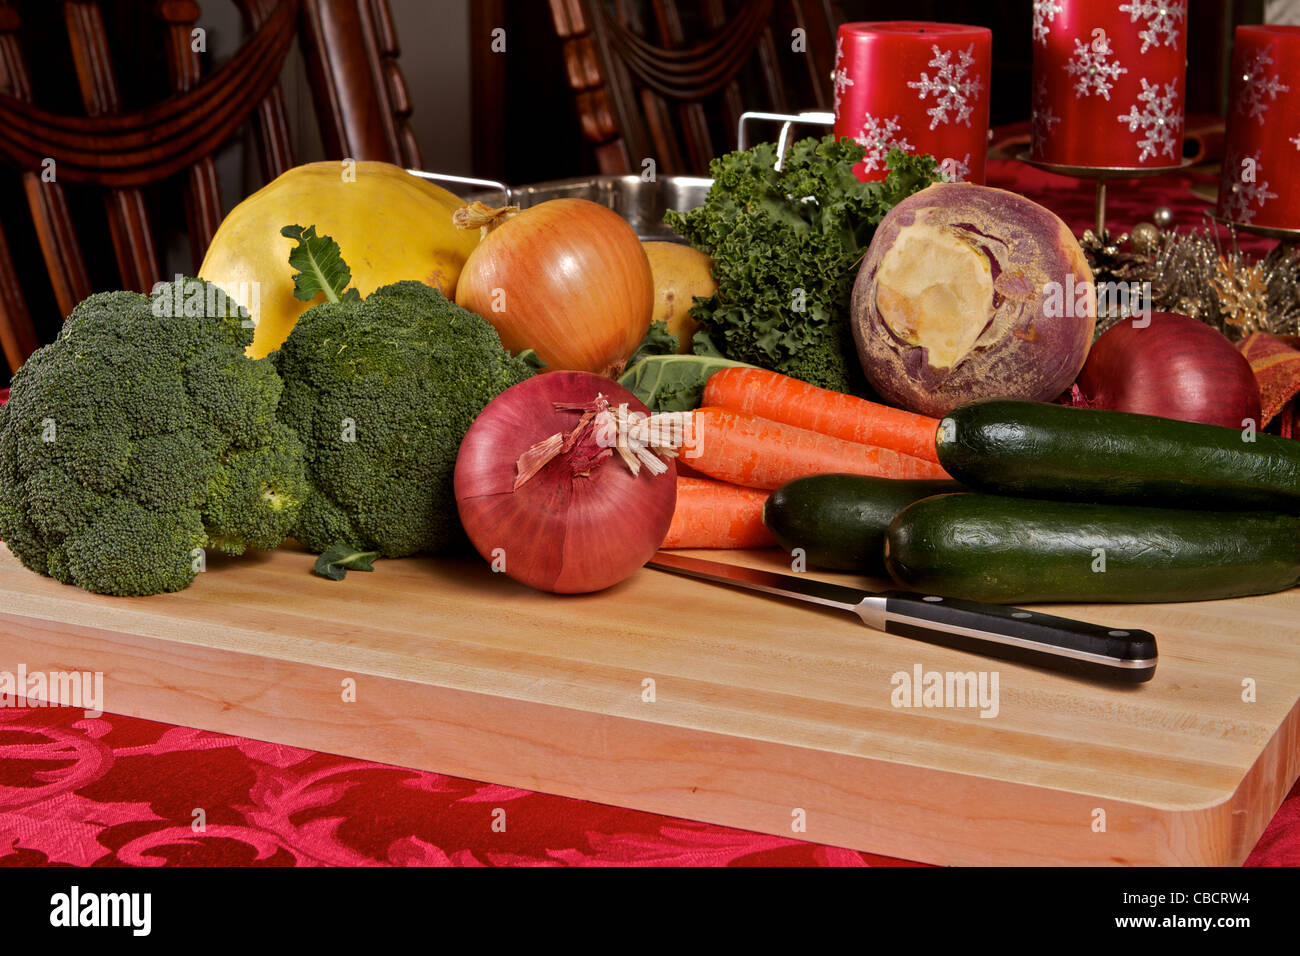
[[970, 292]]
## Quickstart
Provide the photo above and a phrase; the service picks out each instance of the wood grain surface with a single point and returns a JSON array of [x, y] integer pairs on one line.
[[765, 713]]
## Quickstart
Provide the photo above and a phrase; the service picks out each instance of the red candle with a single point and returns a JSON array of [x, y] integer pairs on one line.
[[1109, 84], [1263, 138], [920, 87]]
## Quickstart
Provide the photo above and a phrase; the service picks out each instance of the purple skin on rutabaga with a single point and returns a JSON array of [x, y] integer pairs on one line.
[[970, 292]]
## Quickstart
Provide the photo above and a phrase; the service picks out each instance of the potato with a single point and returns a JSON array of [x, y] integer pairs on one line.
[[972, 292], [680, 273]]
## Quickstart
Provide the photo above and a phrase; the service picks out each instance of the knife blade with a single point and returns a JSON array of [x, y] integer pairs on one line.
[[993, 630]]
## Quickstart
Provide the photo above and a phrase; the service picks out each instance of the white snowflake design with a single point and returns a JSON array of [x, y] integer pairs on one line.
[[952, 86], [955, 170], [878, 137], [1242, 196], [1045, 12], [1163, 19], [1161, 120], [840, 79], [1043, 117], [1259, 84], [1296, 140], [1095, 70]]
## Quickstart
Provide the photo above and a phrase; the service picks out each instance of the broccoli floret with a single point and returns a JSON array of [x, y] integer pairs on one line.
[[142, 436], [382, 391]]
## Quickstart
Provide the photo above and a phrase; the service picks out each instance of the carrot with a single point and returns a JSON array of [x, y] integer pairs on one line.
[[781, 398], [684, 470], [713, 514], [747, 450]]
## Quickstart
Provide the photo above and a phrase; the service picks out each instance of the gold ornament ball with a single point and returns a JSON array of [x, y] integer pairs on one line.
[[1144, 237], [1163, 217]]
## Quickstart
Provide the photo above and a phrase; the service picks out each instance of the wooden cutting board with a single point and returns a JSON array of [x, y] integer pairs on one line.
[[685, 698]]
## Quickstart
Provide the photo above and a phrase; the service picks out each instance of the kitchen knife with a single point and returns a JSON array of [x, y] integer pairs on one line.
[[1008, 633]]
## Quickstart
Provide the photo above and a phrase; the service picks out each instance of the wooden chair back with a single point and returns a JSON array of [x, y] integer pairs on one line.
[[668, 81], [361, 101]]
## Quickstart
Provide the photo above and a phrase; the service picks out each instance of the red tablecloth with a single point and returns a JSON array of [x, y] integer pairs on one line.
[[122, 791]]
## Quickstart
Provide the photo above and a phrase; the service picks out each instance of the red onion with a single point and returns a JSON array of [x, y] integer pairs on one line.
[[1176, 367], [546, 500]]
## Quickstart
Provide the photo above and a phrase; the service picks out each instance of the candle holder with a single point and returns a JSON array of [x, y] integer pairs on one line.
[[1101, 175], [1280, 233]]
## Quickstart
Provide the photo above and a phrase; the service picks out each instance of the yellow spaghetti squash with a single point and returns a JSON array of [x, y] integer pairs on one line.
[[389, 225]]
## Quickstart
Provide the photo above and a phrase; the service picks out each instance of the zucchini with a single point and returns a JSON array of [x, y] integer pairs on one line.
[[1053, 451], [1020, 550], [839, 520]]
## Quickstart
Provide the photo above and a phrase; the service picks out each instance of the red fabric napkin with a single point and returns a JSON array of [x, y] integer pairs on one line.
[[1276, 361]]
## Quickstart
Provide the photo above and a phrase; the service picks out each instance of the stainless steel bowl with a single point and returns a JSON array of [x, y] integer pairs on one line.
[[641, 203]]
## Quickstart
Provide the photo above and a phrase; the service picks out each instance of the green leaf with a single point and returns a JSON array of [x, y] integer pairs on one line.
[[531, 359], [657, 341], [701, 344], [320, 267], [337, 560], [673, 383]]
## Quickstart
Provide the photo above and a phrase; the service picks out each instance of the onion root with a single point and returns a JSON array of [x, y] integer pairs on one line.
[[641, 440]]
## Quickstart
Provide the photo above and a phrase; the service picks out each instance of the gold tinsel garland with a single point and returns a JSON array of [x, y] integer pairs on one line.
[[1194, 273]]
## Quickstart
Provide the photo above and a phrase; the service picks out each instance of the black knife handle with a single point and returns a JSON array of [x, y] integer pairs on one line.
[[1028, 637]]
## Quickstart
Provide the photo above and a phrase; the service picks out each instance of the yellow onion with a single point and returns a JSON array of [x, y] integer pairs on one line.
[[567, 278]]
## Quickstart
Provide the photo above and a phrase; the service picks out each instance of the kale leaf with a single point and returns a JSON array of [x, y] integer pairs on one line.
[[657, 341]]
